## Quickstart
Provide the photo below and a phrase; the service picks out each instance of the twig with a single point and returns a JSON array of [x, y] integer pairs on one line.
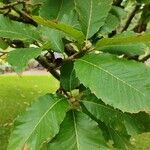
[[145, 58], [3, 53], [131, 16], [10, 5], [49, 66], [143, 21], [25, 16]]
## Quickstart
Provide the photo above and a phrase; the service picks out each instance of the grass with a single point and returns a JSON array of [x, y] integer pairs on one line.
[[16, 93]]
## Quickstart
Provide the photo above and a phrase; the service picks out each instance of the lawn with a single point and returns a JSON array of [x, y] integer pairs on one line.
[[16, 93]]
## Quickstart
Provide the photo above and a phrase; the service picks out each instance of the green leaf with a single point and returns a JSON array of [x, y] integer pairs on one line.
[[139, 38], [120, 139], [110, 24], [129, 49], [67, 29], [59, 10], [78, 132], [133, 123], [54, 38], [92, 14], [20, 57], [113, 20], [118, 82], [56, 9], [68, 78], [118, 12], [40, 123], [17, 30]]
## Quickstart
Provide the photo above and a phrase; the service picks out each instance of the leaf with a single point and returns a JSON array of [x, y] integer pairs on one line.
[[113, 20], [120, 140], [118, 12], [133, 123], [54, 38], [59, 10], [20, 57], [129, 49], [68, 78], [56, 9], [110, 24], [40, 123], [67, 29], [78, 132], [17, 30], [92, 14], [139, 38], [120, 83]]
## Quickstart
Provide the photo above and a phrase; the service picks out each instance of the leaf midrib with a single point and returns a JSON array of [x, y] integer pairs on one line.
[[59, 10], [118, 79], [76, 132], [41, 120], [90, 18]]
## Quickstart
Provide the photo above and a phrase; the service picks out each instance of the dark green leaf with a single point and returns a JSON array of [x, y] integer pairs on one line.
[[133, 123], [78, 132], [68, 78], [40, 123]]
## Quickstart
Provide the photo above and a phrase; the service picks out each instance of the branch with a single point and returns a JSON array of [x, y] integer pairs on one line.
[[145, 58], [131, 16], [24, 17], [49, 66], [10, 5], [3, 53], [143, 21]]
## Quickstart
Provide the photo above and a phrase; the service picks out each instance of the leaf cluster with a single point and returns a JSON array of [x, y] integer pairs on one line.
[[104, 88]]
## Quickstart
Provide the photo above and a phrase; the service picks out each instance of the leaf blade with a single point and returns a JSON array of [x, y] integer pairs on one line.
[[87, 12], [73, 129], [69, 30], [20, 57], [145, 38], [68, 78], [107, 73], [48, 112], [18, 31]]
